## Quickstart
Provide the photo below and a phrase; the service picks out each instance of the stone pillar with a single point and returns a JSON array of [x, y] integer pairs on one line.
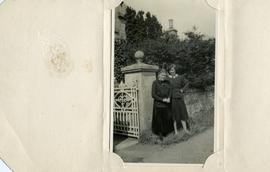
[[144, 74]]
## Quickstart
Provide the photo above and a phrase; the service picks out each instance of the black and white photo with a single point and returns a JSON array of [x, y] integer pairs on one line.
[[163, 81]]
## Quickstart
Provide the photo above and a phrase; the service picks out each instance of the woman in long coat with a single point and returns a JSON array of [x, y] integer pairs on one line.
[[161, 93], [178, 106]]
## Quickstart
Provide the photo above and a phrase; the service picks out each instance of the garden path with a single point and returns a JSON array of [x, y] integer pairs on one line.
[[195, 150]]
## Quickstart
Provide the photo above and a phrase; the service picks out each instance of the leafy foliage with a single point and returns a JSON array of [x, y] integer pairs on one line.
[[124, 56], [139, 28], [200, 55], [194, 55]]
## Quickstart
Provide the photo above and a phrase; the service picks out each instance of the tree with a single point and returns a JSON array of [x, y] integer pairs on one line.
[[153, 27], [123, 56], [119, 58], [194, 55], [139, 28], [130, 25], [199, 55], [162, 50]]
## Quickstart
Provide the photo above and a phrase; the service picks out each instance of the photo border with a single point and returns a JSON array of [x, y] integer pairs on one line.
[[218, 92]]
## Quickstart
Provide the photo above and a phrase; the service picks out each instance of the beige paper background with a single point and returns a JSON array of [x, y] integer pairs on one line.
[[54, 81], [51, 85], [247, 131]]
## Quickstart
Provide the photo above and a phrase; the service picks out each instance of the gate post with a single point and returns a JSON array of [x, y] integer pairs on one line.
[[144, 74]]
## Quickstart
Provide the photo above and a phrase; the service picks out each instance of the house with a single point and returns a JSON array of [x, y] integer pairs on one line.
[[171, 30], [120, 12]]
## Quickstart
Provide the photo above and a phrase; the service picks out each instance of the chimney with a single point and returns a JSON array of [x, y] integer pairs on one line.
[[170, 24]]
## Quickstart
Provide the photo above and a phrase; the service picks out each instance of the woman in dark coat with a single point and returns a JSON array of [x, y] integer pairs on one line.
[[178, 106], [161, 93]]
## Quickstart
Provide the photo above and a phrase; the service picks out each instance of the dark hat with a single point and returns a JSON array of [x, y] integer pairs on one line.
[[161, 71]]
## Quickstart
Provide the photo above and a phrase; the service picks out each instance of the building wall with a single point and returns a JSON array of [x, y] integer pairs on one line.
[[120, 32]]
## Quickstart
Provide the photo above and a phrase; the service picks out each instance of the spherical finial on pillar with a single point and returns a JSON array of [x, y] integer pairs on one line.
[[139, 56]]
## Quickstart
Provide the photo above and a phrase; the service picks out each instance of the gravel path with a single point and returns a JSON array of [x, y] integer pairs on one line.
[[195, 150]]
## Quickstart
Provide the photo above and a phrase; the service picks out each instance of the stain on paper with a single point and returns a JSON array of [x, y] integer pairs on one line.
[[88, 65], [58, 59], [56, 52]]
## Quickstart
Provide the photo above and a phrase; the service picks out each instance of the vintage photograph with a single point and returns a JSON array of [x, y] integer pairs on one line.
[[163, 81]]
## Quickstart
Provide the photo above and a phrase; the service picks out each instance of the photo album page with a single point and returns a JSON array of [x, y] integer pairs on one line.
[[134, 85]]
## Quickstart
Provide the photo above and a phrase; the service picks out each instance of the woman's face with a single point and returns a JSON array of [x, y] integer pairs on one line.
[[172, 71], [161, 76]]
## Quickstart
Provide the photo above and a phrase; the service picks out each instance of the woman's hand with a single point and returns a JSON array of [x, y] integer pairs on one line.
[[166, 100]]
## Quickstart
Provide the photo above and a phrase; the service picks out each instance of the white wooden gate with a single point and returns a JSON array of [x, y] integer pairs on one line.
[[125, 110]]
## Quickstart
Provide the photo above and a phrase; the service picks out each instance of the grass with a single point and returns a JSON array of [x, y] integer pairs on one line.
[[202, 121]]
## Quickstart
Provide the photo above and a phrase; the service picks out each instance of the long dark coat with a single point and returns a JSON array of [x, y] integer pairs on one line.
[[162, 120]]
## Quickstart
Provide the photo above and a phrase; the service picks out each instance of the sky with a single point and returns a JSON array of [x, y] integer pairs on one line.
[[185, 14]]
